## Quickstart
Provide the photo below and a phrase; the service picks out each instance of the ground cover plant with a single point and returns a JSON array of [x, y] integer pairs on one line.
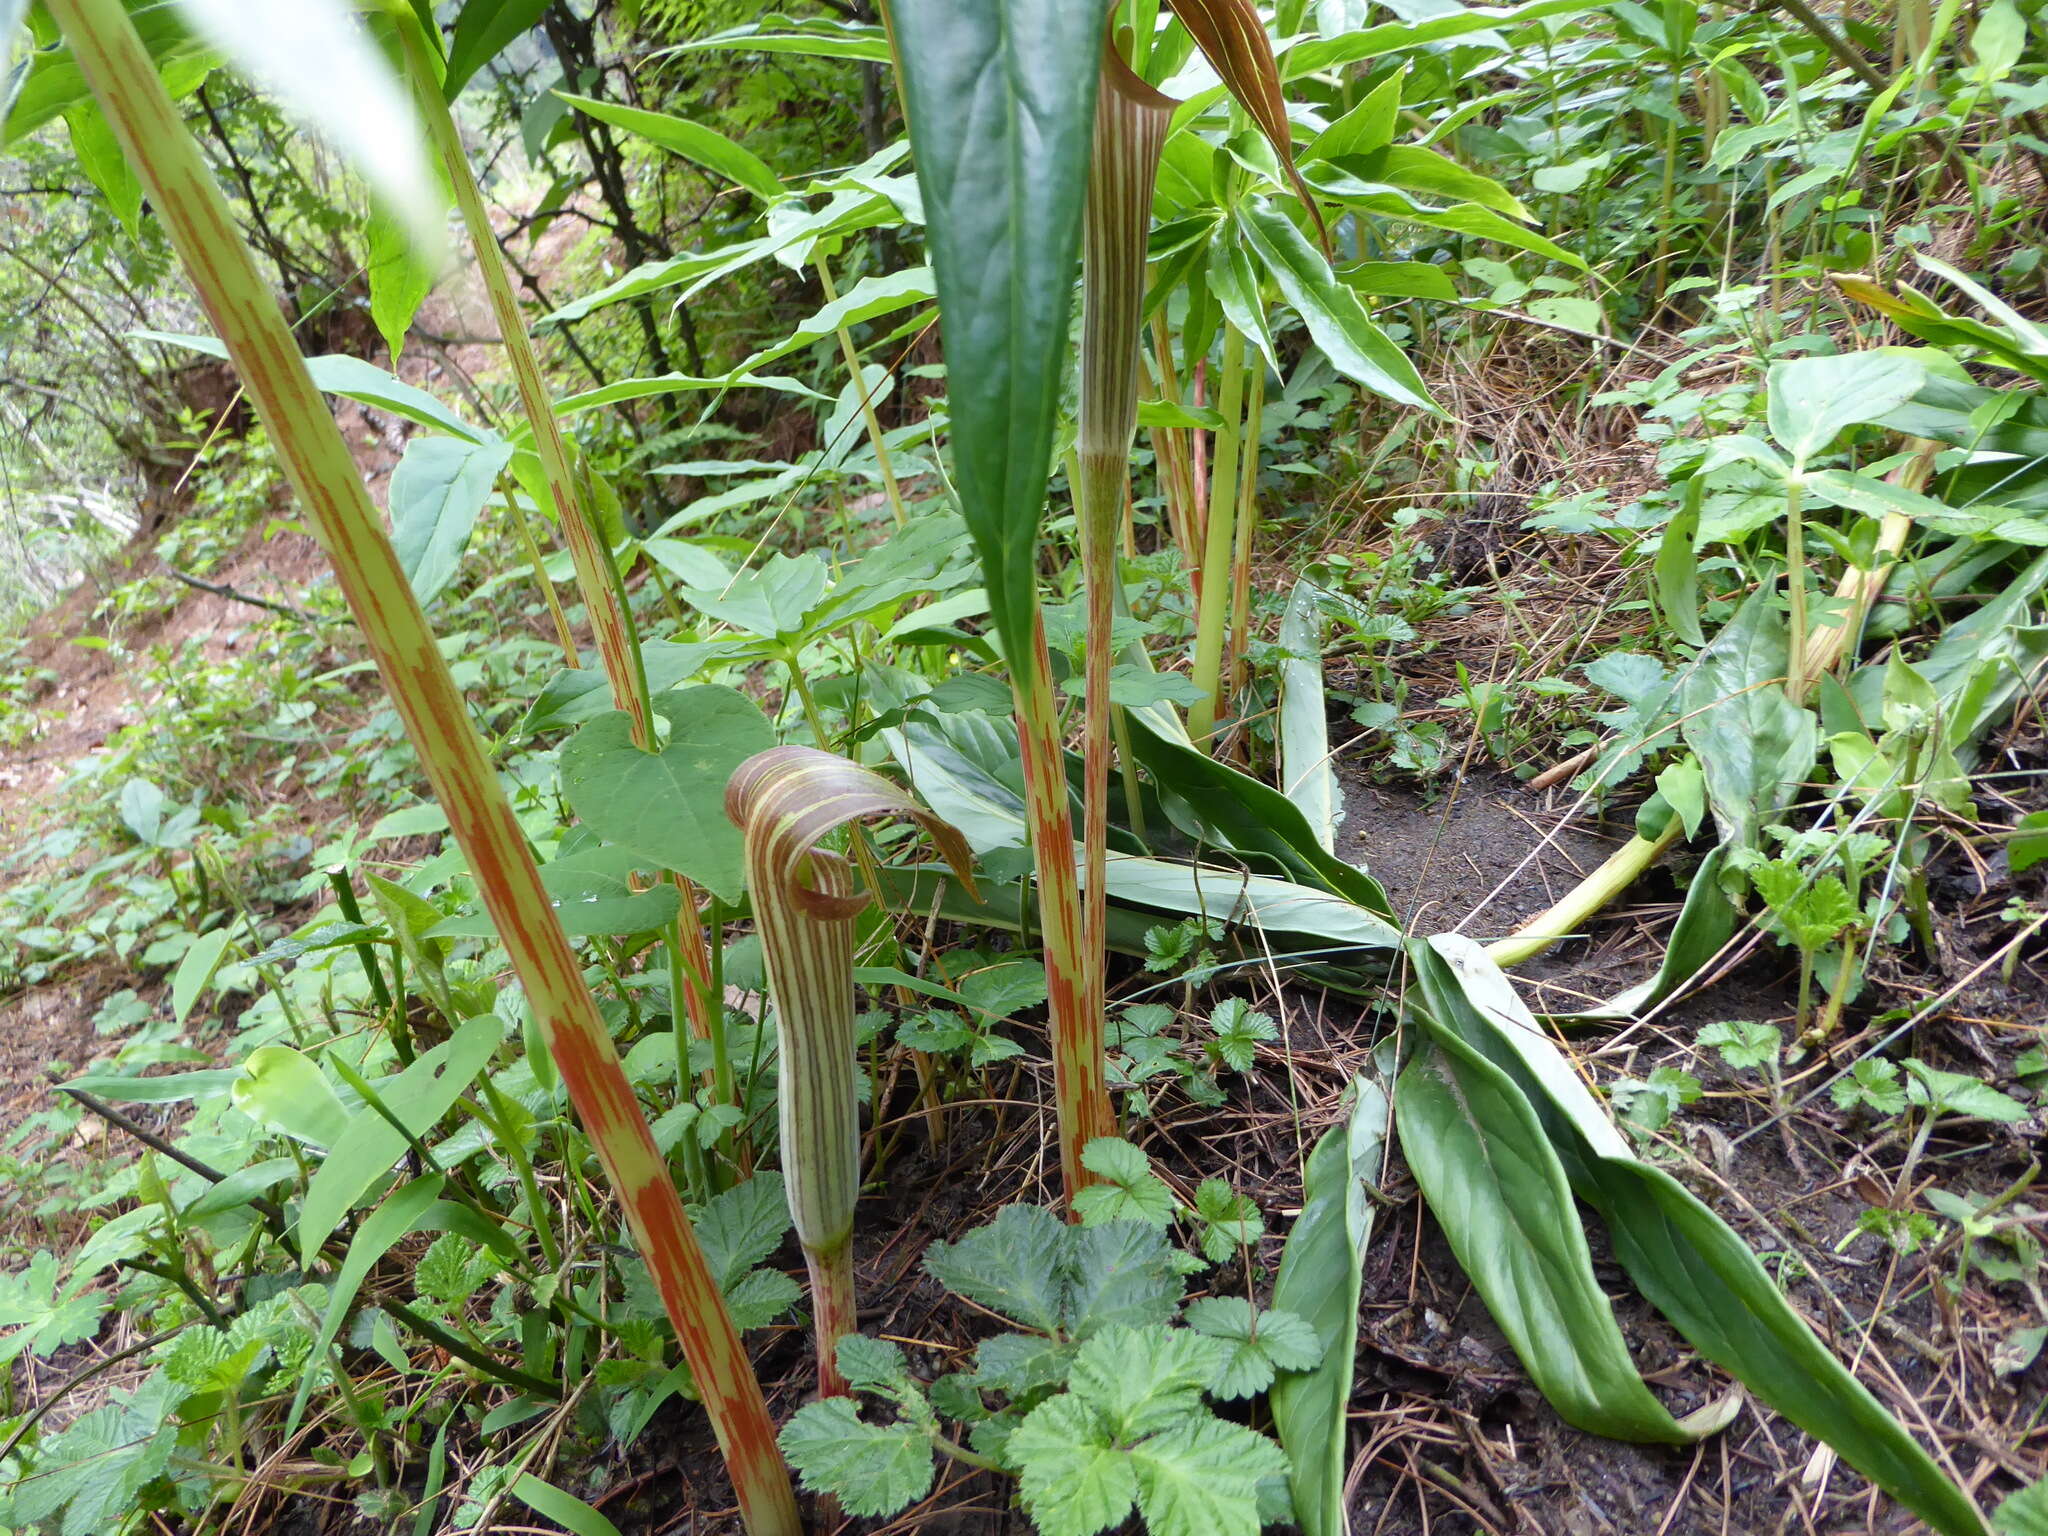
[[956, 784]]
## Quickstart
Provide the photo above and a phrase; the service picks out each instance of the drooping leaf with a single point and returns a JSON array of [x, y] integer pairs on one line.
[[1498, 1191], [483, 30], [693, 141], [284, 1089], [439, 487], [1000, 97], [1754, 745], [1695, 1270], [399, 280], [1355, 346], [1232, 36], [195, 970]]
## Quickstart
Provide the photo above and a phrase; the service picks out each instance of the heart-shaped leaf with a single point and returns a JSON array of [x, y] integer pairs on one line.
[[669, 805]]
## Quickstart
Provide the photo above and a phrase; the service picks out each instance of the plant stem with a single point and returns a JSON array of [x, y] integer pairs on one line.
[[1216, 544], [1795, 585], [859, 384], [202, 230], [1073, 975], [834, 1312], [1247, 530], [1620, 871]]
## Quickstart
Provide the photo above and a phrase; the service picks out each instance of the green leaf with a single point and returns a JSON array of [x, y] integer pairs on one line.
[[1498, 1191], [874, 297], [485, 29], [1018, 1363], [1230, 1221], [2029, 844], [1677, 568], [1202, 1479], [1001, 103], [669, 805], [1133, 1192], [1262, 1344], [1754, 745], [1365, 128], [565, 1509], [1011, 1266], [1695, 1270], [1146, 1379], [195, 970], [439, 487], [2025, 1513], [419, 1096], [1811, 400], [1743, 1044], [1119, 1274], [1951, 1093], [872, 1469], [1306, 775], [99, 155], [1874, 1083], [871, 1364], [1353, 44], [1319, 1281], [592, 893], [96, 1468], [1073, 1480], [403, 1211], [1355, 346], [694, 142], [284, 1090], [769, 600], [399, 279]]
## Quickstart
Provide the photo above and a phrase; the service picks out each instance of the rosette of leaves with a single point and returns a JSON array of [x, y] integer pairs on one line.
[[1098, 1402]]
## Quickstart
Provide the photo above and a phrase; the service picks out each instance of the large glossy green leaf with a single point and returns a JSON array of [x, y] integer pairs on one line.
[[1245, 814], [1696, 1271], [1000, 95], [1497, 1189], [669, 805], [593, 894], [1754, 744], [812, 36], [1336, 319], [1320, 1281], [697, 144], [437, 491]]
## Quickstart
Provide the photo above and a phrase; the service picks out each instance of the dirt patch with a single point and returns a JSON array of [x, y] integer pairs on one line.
[[1479, 853]]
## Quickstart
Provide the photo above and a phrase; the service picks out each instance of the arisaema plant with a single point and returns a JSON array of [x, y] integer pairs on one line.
[[119, 71], [1501, 1134], [786, 802]]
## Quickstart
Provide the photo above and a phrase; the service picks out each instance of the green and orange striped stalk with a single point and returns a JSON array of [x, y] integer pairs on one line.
[[1000, 99], [196, 216], [786, 801], [1131, 119], [597, 575]]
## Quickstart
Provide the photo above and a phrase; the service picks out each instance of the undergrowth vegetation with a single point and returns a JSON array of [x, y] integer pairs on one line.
[[729, 745]]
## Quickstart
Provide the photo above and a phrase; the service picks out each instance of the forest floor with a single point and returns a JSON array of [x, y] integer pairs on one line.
[[1450, 1436]]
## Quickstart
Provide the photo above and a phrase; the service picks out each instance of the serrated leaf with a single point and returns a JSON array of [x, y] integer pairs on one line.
[[1261, 1344], [1122, 1273], [872, 1469], [869, 1363], [740, 1227], [1133, 1192], [1202, 1479], [1019, 1363], [1011, 1266], [1146, 1379], [1073, 1481]]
